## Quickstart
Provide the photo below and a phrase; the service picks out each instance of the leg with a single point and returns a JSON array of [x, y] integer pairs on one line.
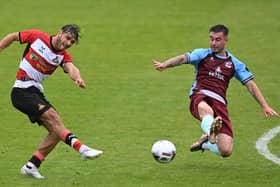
[[45, 147], [225, 144], [223, 147], [201, 110], [55, 126], [206, 115], [57, 132], [48, 143], [204, 109], [209, 125]]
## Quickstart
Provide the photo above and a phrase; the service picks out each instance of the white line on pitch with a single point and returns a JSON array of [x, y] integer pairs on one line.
[[263, 141]]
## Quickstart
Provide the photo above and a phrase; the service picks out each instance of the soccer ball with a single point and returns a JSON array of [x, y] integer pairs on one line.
[[163, 151]]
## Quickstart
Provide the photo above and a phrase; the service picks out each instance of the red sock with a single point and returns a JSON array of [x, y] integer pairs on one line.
[[77, 145]]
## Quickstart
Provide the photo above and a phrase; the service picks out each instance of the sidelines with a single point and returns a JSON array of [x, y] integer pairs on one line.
[[262, 142]]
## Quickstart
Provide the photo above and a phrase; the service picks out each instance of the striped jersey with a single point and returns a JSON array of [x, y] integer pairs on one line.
[[213, 73], [39, 60]]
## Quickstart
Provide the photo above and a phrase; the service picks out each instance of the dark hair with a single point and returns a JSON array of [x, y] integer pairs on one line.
[[219, 28], [73, 29]]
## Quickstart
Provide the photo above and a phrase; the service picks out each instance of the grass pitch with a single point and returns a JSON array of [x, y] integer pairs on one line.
[[128, 105]]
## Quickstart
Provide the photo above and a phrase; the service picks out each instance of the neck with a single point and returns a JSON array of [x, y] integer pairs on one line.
[[53, 42], [222, 53]]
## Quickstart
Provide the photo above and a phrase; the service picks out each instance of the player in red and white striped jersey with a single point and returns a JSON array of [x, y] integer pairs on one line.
[[43, 54]]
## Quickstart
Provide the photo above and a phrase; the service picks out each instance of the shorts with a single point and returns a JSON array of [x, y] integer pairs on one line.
[[219, 109], [31, 102]]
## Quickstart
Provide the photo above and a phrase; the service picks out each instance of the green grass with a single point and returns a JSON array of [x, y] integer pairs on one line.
[[128, 105]]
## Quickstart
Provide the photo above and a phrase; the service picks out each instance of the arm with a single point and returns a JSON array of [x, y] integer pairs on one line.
[[172, 62], [256, 93], [75, 75], [8, 39]]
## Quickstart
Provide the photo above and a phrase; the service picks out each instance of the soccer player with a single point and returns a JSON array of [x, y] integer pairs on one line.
[[214, 68], [43, 54]]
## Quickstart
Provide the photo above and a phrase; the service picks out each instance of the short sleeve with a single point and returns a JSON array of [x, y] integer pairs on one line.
[[197, 55], [242, 73], [28, 36]]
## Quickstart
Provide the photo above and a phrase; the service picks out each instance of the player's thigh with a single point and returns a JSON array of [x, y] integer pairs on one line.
[[225, 144], [52, 122], [204, 109]]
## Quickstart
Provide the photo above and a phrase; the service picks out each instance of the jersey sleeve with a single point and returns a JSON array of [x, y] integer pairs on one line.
[[67, 58], [28, 36], [241, 73], [195, 56]]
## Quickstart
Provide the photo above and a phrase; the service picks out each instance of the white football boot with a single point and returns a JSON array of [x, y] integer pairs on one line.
[[89, 153], [31, 170]]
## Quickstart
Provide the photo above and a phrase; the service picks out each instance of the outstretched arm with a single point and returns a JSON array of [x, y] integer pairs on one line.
[[75, 75], [256, 93], [175, 61], [8, 39]]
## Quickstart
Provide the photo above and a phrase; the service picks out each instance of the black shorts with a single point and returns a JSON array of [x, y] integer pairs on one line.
[[31, 102]]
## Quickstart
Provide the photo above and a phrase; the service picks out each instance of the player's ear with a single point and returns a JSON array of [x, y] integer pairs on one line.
[[226, 38]]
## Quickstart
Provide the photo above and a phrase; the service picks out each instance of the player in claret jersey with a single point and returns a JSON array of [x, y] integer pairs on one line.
[[43, 54], [214, 67]]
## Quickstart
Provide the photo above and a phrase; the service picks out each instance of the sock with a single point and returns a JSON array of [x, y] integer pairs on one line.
[[206, 123], [36, 159], [211, 147], [71, 140]]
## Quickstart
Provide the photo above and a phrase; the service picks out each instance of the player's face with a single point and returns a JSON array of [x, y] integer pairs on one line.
[[217, 42], [64, 41]]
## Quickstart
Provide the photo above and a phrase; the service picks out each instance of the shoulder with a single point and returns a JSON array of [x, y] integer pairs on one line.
[[30, 35], [201, 51], [198, 54], [33, 31], [242, 73], [237, 63]]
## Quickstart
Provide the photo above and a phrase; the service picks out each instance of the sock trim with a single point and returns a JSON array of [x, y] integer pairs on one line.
[[64, 134], [39, 155], [77, 145]]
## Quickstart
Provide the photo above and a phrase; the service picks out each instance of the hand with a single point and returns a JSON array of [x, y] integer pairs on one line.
[[158, 65], [80, 83], [270, 112]]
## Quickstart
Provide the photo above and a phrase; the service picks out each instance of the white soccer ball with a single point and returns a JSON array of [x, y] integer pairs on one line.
[[163, 151]]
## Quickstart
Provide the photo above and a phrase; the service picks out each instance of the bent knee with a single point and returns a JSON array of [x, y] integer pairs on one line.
[[226, 152], [52, 120], [50, 113]]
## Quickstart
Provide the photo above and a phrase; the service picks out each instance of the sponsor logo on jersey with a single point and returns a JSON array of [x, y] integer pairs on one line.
[[228, 64], [218, 69], [34, 57], [41, 49], [56, 60], [217, 73]]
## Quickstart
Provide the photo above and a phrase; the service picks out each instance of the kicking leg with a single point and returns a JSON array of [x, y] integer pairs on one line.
[[54, 124], [206, 115]]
